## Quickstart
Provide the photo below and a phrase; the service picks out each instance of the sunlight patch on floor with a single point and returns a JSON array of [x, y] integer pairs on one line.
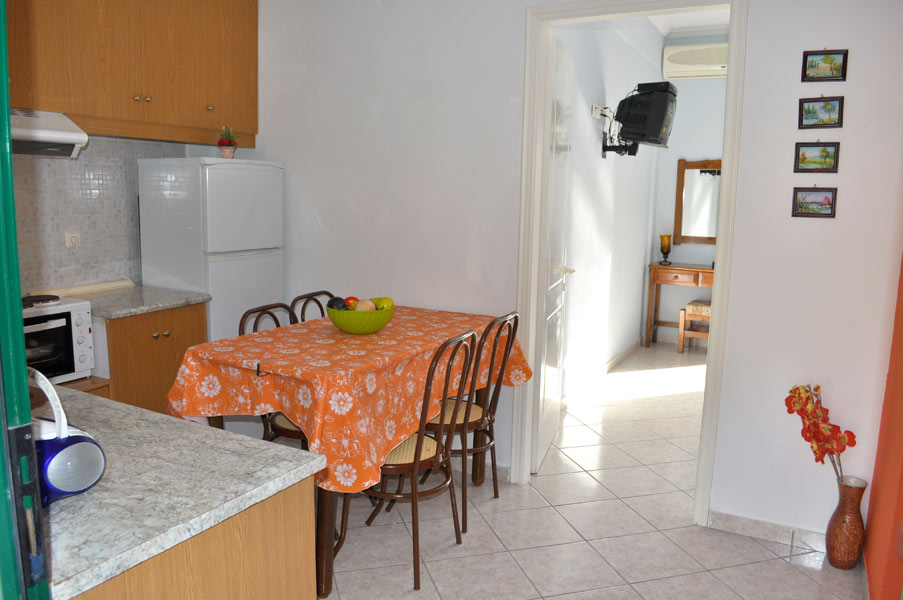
[[631, 385]]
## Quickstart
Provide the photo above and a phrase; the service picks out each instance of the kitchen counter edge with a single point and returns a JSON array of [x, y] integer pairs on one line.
[[128, 302], [283, 467]]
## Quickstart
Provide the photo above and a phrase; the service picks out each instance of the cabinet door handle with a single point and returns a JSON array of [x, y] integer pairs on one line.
[[138, 98], [149, 98], [210, 107], [166, 334], [156, 335]]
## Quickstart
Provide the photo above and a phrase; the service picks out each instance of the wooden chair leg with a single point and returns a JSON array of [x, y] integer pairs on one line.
[[379, 505], [463, 483], [681, 326], [454, 501], [415, 530], [267, 432], [495, 472], [398, 491]]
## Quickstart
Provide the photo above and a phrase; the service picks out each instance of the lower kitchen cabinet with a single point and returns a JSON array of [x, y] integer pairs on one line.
[[145, 352], [96, 386]]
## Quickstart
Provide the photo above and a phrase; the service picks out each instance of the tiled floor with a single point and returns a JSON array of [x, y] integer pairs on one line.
[[608, 516]]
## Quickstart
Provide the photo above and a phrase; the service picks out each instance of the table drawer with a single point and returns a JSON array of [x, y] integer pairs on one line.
[[707, 280], [677, 277]]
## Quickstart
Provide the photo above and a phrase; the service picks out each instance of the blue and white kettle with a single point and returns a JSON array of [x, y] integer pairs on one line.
[[69, 460]]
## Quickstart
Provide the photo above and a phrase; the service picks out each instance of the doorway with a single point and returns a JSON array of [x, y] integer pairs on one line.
[[535, 213]]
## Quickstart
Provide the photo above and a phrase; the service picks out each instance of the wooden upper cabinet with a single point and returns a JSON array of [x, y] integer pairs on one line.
[[161, 69], [38, 42], [231, 64]]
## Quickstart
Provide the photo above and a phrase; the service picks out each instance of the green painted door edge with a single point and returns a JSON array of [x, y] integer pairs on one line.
[[16, 406]]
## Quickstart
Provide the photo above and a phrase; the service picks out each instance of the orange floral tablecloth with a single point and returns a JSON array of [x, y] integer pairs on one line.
[[355, 397]]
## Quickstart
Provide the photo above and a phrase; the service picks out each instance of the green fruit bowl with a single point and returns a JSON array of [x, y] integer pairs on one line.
[[360, 322]]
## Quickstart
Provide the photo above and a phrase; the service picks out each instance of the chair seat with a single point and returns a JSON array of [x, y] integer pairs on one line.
[[476, 413], [699, 307], [403, 454], [280, 420]]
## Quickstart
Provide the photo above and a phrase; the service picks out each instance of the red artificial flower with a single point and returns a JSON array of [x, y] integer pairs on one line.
[[848, 438]]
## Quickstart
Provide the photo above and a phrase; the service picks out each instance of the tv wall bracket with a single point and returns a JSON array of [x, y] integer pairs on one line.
[[620, 148]]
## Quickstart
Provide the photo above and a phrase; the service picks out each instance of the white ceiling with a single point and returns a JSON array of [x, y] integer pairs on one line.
[[693, 23]]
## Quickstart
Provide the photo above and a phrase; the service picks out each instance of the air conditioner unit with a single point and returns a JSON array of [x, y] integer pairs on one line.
[[694, 60]]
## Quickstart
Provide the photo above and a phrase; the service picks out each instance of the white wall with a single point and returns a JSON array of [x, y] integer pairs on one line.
[[399, 123], [697, 135], [610, 201], [811, 300]]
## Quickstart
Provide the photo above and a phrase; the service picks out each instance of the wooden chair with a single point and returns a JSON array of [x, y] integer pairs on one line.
[[695, 311], [478, 416], [422, 453], [301, 303], [275, 424]]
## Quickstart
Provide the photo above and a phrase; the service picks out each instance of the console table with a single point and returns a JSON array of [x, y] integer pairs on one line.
[[699, 276]]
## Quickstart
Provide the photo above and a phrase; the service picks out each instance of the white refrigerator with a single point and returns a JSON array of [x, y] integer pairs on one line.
[[214, 225]]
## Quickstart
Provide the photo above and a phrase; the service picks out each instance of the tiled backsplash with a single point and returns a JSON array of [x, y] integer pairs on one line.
[[95, 196]]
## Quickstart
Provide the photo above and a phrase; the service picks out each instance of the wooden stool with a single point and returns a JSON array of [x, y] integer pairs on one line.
[[696, 311]]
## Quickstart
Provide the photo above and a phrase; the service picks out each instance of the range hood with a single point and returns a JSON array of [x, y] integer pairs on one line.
[[44, 133]]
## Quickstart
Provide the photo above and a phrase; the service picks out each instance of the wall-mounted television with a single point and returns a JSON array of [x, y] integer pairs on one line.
[[647, 115]]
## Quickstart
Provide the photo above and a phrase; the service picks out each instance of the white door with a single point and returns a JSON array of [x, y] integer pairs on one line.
[[557, 192], [238, 281], [244, 207]]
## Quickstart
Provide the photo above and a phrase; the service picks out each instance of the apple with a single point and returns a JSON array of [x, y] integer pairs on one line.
[[383, 303], [364, 305], [351, 301]]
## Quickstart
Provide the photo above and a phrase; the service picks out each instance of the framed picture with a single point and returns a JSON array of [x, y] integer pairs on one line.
[[825, 65], [814, 202], [821, 113], [816, 157]]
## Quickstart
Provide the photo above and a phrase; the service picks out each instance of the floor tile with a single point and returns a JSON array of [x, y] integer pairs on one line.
[[581, 435], [556, 462], [627, 431], [437, 539], [633, 481], [783, 550], [570, 488], [619, 592], [569, 420], [682, 474], [607, 518], [717, 549], [530, 528], [674, 427], [567, 568], [489, 576], [386, 583], [690, 445], [846, 585], [664, 511], [696, 586], [654, 451], [511, 497], [360, 509], [646, 556], [375, 546], [608, 456], [771, 580]]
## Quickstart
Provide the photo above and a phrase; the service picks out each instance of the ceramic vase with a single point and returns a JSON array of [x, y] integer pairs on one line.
[[846, 533], [227, 151]]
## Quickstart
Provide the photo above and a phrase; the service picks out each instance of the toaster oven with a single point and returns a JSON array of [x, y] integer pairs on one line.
[[58, 338]]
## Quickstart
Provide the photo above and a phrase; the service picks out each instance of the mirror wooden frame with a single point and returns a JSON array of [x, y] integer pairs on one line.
[[682, 167]]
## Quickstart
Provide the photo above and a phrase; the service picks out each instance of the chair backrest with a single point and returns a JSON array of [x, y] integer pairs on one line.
[[260, 313], [319, 299], [455, 351], [495, 345]]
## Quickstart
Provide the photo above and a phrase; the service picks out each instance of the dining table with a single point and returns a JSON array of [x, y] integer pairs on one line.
[[355, 397]]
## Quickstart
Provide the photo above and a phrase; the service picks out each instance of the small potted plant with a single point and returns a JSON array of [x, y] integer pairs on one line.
[[845, 533], [227, 142]]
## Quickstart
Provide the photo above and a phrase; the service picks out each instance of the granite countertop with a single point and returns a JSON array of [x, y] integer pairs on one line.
[[166, 480], [127, 302]]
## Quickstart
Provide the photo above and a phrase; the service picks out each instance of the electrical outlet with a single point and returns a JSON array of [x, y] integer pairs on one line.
[[597, 111], [72, 240]]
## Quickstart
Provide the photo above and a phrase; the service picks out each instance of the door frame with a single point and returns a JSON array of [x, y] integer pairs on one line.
[[532, 213]]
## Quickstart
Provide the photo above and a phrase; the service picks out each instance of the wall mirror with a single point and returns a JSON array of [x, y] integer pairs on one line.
[[696, 207]]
